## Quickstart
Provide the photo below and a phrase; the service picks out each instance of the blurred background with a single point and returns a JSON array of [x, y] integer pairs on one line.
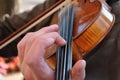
[[15, 6], [28, 4], [12, 7]]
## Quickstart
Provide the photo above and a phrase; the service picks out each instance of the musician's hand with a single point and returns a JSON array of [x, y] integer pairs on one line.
[[31, 51]]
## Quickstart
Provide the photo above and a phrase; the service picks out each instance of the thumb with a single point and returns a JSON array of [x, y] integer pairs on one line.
[[78, 71]]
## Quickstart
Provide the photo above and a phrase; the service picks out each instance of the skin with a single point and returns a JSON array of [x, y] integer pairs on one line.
[[31, 51]]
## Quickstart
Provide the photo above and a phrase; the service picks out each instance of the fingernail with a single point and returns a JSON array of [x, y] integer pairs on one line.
[[81, 71]]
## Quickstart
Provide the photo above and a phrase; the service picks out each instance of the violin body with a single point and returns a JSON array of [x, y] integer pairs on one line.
[[91, 32], [92, 22]]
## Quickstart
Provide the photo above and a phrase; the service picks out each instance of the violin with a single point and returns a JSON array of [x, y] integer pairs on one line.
[[93, 20]]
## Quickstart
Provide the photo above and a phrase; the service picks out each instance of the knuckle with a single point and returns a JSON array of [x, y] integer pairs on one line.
[[30, 62], [56, 34], [19, 45], [29, 34], [43, 30]]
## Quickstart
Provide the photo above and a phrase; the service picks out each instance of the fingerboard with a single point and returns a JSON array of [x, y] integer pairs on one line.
[[64, 53]]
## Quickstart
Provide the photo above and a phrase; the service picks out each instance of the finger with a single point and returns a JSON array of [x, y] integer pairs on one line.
[[51, 38], [52, 28], [78, 71]]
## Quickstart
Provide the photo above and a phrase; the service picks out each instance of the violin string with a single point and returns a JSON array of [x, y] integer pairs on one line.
[[57, 64], [69, 52], [66, 38], [62, 48], [58, 53], [66, 46]]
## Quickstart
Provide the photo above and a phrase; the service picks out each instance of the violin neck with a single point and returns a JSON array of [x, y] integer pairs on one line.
[[64, 54]]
